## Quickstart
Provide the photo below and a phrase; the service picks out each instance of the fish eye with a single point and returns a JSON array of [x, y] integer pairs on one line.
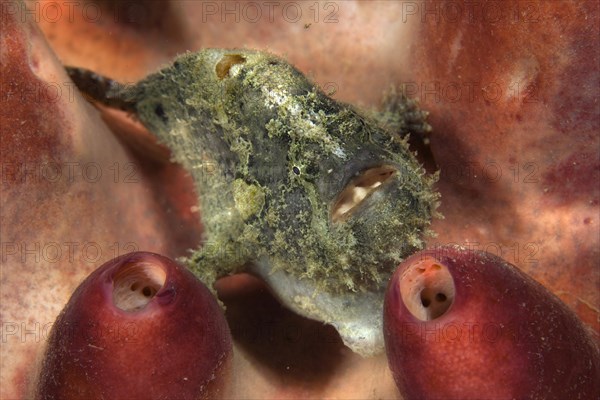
[[226, 63], [296, 170]]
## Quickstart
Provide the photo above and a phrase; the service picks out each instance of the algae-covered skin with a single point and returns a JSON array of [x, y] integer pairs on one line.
[[306, 192]]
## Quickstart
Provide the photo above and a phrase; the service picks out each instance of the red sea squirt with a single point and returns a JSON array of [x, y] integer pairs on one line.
[[139, 327], [460, 324]]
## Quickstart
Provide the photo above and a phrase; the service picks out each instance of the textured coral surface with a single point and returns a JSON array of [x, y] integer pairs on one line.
[[512, 88]]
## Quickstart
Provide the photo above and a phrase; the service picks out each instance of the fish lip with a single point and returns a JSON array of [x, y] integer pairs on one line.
[[381, 172]]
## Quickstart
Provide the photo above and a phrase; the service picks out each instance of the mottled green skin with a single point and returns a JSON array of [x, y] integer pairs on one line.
[[242, 133], [270, 154]]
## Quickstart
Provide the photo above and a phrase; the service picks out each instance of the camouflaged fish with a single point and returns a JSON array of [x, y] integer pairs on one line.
[[317, 199]]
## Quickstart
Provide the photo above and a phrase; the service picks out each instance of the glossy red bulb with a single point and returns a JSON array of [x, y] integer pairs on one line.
[[462, 325], [139, 327]]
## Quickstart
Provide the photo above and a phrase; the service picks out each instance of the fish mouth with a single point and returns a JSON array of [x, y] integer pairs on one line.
[[360, 189]]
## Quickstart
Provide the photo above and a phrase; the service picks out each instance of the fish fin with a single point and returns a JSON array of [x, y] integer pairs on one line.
[[401, 115], [99, 88]]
